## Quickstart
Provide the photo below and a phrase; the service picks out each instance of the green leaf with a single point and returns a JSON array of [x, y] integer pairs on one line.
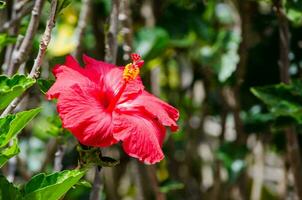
[[84, 183], [9, 152], [62, 4], [294, 11], [2, 4], [11, 125], [44, 84], [6, 39], [53, 186], [232, 157], [8, 191], [11, 88], [283, 100], [170, 186], [151, 42]]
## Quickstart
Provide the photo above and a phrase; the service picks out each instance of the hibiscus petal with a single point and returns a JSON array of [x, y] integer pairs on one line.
[[98, 66], [113, 82], [82, 111], [141, 135], [67, 75], [166, 114]]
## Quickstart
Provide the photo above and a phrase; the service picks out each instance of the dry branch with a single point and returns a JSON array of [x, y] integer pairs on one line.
[[20, 54], [34, 73]]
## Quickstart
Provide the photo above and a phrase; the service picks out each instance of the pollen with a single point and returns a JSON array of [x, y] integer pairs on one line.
[[130, 72]]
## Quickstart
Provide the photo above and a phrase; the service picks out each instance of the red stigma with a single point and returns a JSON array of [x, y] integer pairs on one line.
[[135, 57]]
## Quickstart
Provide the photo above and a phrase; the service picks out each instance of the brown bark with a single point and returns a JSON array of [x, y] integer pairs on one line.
[[292, 143]]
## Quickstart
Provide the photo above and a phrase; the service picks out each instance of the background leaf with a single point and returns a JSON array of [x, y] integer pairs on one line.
[[283, 100], [11, 88], [151, 42]]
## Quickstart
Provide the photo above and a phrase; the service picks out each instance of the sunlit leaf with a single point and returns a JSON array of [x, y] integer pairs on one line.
[[294, 11], [2, 4], [11, 88], [9, 152], [11, 125], [52, 186], [170, 186]]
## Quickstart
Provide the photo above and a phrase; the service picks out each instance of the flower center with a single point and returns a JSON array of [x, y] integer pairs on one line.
[[131, 71]]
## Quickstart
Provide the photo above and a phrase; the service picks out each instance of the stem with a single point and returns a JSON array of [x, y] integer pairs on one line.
[[59, 155], [292, 142], [82, 24], [97, 184], [126, 28], [258, 171], [34, 73], [111, 37]]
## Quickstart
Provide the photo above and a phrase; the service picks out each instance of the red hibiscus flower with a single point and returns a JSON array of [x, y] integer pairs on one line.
[[102, 104]]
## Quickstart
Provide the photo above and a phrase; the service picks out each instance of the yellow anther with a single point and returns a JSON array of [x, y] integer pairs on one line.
[[130, 72]]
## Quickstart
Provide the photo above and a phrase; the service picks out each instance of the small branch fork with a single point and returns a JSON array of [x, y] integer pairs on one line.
[[23, 12], [34, 73], [20, 54]]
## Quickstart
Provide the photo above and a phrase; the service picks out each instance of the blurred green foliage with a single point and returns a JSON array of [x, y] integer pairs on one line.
[[202, 57]]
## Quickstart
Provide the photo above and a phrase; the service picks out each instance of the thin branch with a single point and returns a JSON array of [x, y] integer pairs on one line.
[[13, 30], [126, 28], [111, 37], [59, 155], [38, 61], [20, 54], [97, 184], [23, 12], [82, 24]]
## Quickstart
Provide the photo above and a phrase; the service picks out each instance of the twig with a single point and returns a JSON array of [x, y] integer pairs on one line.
[[12, 30], [111, 37], [82, 24], [20, 54], [38, 61], [16, 18], [126, 28], [293, 148], [244, 11], [258, 171], [59, 155], [97, 184]]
